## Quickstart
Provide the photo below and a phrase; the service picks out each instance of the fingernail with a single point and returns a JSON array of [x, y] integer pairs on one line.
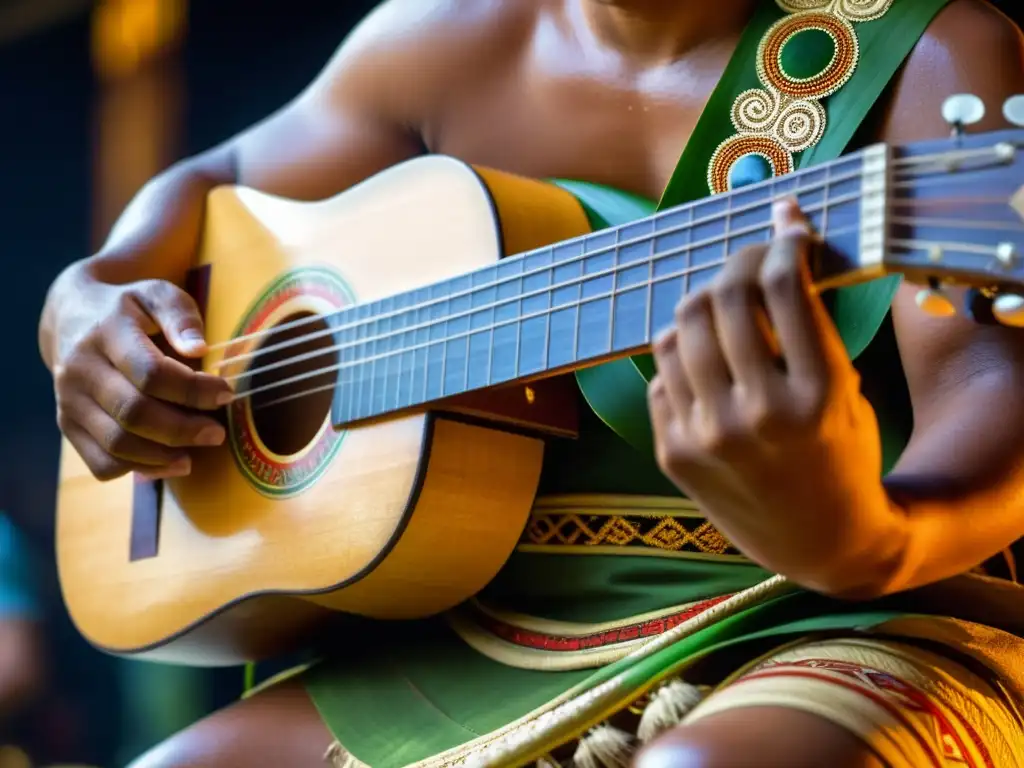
[[225, 397], [192, 338], [210, 436]]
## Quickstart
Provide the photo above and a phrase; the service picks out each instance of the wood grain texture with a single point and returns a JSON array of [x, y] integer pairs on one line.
[[412, 516]]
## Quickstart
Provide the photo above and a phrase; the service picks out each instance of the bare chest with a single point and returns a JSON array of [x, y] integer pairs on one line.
[[566, 122]]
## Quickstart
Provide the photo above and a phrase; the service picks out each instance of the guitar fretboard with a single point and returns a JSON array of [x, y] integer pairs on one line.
[[595, 297]]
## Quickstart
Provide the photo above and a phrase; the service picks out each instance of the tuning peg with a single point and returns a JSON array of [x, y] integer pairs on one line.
[[1009, 310], [934, 302], [962, 109], [1013, 110]]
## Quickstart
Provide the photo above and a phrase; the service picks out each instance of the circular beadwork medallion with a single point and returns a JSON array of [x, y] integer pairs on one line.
[[755, 111], [854, 10], [724, 169], [793, 30], [799, 6], [864, 10], [801, 125]]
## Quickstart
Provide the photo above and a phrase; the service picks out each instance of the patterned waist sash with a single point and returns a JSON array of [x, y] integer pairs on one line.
[[592, 524], [606, 524]]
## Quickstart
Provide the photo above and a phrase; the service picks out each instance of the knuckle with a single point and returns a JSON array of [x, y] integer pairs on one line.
[[63, 418], [116, 441], [130, 411], [782, 281], [145, 371], [691, 307], [733, 289], [672, 455], [762, 417], [721, 439]]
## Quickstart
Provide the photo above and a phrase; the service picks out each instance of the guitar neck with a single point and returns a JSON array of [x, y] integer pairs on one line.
[[589, 299]]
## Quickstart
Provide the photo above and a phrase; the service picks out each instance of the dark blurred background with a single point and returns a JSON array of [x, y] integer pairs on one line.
[[95, 98]]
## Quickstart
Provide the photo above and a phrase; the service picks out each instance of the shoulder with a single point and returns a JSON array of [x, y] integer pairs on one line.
[[414, 51], [970, 47]]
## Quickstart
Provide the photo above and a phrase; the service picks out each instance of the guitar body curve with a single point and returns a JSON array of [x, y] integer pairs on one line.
[[290, 521]]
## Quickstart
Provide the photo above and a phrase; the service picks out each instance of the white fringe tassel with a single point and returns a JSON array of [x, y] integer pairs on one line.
[[604, 747], [667, 708], [547, 762]]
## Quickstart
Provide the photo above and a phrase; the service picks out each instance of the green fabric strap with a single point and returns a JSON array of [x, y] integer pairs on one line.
[[617, 391]]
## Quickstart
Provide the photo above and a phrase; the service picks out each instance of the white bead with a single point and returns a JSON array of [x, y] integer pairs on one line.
[[963, 109], [1013, 110], [935, 303], [1009, 310]]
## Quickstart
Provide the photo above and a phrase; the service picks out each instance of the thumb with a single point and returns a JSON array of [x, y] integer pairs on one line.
[[176, 316]]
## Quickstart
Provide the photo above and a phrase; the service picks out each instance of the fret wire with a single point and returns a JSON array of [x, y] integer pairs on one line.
[[519, 328], [551, 303], [824, 202], [649, 294], [444, 348], [465, 377], [398, 377], [687, 287], [726, 236], [616, 265], [490, 348]]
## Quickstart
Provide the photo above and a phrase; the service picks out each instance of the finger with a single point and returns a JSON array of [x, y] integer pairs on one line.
[[666, 424], [103, 465], [175, 314], [673, 378], [153, 373], [122, 444], [797, 313], [700, 353], [741, 321], [150, 418]]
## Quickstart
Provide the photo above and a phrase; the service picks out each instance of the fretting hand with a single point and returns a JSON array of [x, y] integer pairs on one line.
[[124, 404], [758, 415]]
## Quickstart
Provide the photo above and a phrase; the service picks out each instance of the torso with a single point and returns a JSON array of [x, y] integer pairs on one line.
[[550, 101]]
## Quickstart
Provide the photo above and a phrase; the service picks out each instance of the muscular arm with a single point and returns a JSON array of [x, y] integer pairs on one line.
[[960, 482], [361, 115]]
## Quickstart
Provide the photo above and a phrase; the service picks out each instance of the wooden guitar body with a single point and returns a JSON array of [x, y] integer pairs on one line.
[[290, 521]]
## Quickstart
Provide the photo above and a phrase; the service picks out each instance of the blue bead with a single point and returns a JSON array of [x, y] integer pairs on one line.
[[749, 169]]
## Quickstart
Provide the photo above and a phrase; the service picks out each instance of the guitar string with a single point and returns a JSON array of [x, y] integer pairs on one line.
[[575, 281], [905, 244], [942, 160]]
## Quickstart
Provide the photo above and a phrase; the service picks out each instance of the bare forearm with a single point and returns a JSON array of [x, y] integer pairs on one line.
[[155, 238], [960, 484]]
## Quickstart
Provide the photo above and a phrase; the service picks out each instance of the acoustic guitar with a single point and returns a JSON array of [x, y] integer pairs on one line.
[[396, 354]]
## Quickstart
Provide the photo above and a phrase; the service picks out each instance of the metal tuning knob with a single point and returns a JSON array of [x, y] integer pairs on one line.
[[1009, 310], [1013, 110], [978, 307], [961, 110]]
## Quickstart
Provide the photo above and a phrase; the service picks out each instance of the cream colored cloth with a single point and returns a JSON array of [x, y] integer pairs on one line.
[[912, 706]]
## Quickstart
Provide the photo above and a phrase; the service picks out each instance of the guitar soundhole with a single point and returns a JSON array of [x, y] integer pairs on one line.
[[288, 416]]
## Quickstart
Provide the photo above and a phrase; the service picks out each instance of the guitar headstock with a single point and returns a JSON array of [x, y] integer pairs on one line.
[[955, 214]]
